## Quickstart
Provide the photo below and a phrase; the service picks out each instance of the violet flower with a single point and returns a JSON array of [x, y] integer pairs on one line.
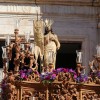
[[22, 75], [81, 78], [53, 76], [72, 71], [47, 77], [98, 74]]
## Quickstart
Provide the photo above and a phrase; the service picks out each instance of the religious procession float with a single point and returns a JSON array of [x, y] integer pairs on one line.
[[27, 79]]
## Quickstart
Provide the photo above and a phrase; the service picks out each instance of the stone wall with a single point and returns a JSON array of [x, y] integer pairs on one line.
[[75, 23]]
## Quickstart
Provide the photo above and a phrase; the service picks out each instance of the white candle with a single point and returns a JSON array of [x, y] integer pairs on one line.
[[27, 36], [98, 50], [50, 57], [7, 39], [17, 22], [4, 54], [22, 46], [79, 56]]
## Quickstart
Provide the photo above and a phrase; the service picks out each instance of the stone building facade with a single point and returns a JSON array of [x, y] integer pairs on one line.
[[75, 21]]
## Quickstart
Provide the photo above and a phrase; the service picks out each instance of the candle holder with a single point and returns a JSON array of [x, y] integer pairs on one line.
[[79, 68], [7, 40], [50, 60], [97, 58], [5, 61], [17, 22], [4, 54], [50, 57], [22, 47], [98, 50], [27, 47], [79, 56], [27, 37]]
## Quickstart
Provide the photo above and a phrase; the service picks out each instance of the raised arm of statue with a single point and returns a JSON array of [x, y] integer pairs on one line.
[[57, 42]]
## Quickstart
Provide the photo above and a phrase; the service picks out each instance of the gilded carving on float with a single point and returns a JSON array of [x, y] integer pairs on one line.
[[26, 81]]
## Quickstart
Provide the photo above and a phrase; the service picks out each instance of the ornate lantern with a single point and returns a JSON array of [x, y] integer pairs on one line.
[[50, 57], [4, 54], [27, 37], [7, 40], [98, 50], [79, 56]]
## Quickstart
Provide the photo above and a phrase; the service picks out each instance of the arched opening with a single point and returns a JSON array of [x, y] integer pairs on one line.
[[66, 56]]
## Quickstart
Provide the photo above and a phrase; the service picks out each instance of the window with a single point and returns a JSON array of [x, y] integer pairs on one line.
[[66, 55]]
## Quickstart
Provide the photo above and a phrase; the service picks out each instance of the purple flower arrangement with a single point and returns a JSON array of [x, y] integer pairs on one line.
[[47, 77], [3, 85], [73, 73], [82, 78], [24, 73], [98, 74], [95, 75], [62, 70]]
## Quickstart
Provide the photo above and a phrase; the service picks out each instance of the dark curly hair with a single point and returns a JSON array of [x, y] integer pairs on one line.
[[48, 30]]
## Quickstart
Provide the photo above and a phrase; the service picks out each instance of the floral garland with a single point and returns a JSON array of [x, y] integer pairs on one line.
[[24, 73], [62, 74], [49, 77]]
